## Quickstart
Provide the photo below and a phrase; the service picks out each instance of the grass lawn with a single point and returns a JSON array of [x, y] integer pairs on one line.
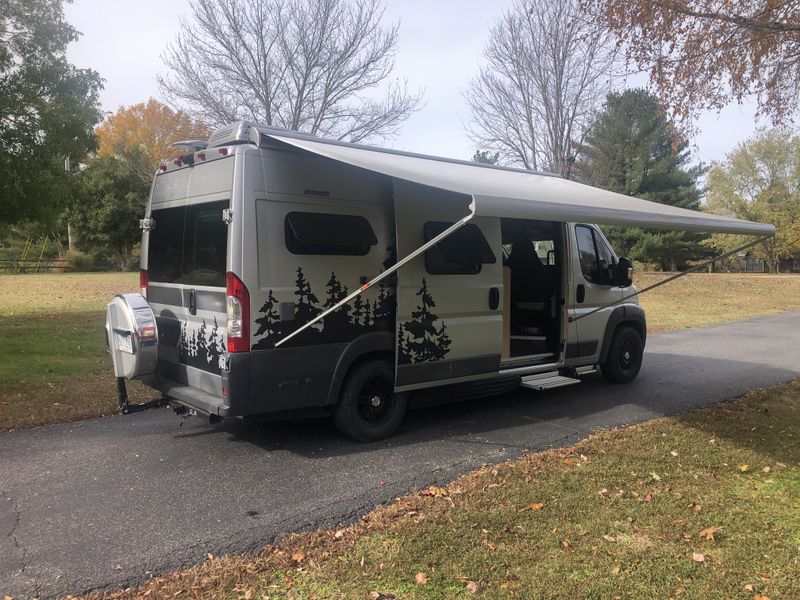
[[704, 505], [54, 367], [706, 298]]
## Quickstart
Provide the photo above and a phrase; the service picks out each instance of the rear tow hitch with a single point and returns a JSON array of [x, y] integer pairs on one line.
[[126, 408]]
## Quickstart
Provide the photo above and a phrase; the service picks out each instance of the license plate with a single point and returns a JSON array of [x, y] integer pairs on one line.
[[125, 342]]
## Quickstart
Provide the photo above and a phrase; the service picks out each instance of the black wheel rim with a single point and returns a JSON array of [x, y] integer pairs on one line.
[[627, 355], [376, 401]]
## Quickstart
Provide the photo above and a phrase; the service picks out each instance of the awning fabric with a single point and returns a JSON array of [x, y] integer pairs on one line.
[[500, 192]]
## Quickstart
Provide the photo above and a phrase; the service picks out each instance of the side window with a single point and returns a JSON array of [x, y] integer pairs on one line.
[[595, 256], [321, 233], [461, 253]]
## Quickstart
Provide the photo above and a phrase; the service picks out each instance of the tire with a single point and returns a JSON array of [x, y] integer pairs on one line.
[[624, 358], [368, 409]]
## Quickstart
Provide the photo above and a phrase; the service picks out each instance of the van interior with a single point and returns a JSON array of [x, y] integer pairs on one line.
[[533, 261]]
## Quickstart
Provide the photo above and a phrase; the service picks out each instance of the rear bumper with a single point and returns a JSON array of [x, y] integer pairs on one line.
[[189, 396]]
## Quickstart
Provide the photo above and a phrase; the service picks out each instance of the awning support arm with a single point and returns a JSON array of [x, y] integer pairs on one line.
[[433, 241], [669, 279]]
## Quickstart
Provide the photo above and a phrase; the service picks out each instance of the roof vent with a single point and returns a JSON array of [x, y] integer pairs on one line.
[[235, 133]]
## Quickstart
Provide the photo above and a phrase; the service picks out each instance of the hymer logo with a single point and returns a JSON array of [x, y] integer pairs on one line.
[[308, 192]]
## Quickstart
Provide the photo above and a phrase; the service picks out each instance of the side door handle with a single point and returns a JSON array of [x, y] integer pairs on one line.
[[192, 302], [494, 298], [580, 293]]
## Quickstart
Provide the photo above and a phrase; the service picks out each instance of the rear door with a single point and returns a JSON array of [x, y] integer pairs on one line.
[[449, 306], [187, 258]]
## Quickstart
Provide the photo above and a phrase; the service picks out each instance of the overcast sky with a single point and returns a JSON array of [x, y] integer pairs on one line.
[[440, 49]]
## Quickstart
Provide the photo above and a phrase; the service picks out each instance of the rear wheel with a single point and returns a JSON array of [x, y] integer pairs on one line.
[[624, 357], [368, 409]]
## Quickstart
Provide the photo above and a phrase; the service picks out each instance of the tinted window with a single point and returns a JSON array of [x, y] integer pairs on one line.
[[320, 233], [595, 256], [205, 244], [189, 245], [461, 253], [165, 252]]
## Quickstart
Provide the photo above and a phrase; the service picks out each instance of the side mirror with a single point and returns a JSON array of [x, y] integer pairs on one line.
[[623, 273]]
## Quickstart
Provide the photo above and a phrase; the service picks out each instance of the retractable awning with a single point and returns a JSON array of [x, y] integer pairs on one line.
[[503, 192]]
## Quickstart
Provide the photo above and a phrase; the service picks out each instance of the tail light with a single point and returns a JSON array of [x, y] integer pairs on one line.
[[238, 303], [143, 281]]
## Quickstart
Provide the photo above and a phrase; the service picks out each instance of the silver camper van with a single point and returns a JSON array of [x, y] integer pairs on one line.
[[291, 275]]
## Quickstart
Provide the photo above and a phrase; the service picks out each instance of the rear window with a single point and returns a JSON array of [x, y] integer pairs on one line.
[[189, 245]]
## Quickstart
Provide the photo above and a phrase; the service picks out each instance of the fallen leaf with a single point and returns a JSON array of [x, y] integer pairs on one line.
[[712, 441], [744, 468], [673, 453], [298, 556], [339, 534], [760, 597], [609, 538], [534, 506], [655, 476], [615, 571], [648, 497], [379, 596], [748, 587], [210, 556], [472, 587], [421, 579], [565, 543], [697, 557], [603, 492], [766, 469], [708, 533]]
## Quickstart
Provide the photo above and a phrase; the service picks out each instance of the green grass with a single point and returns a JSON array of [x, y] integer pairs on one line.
[[627, 513]]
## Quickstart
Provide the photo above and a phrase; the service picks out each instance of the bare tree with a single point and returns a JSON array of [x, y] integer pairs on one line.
[[308, 65], [547, 69]]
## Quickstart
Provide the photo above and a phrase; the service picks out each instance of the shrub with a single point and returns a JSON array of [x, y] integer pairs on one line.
[[80, 261]]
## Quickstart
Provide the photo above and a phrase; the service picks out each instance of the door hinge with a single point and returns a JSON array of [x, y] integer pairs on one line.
[[227, 216], [147, 224]]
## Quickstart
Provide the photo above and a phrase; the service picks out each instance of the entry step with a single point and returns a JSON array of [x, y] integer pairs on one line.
[[547, 381]]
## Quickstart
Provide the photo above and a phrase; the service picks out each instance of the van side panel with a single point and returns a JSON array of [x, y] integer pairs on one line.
[[289, 286]]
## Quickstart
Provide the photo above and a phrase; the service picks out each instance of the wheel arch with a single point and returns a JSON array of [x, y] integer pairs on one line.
[[378, 344], [631, 315]]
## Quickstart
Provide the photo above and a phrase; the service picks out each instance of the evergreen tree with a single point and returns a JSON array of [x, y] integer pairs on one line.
[[427, 341], [270, 318], [367, 314], [214, 346], [306, 308], [202, 345], [358, 310], [633, 149]]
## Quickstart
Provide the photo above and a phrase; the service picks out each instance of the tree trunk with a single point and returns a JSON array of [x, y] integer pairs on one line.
[[70, 241]]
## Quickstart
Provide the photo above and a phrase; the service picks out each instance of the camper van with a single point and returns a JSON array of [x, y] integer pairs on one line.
[[283, 275]]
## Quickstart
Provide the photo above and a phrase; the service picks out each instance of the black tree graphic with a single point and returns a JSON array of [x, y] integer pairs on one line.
[[358, 310], [214, 346], [306, 308], [183, 344], [201, 358], [270, 318], [421, 340]]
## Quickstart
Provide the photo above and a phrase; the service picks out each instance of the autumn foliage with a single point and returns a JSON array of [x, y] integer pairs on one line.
[[143, 132], [707, 53]]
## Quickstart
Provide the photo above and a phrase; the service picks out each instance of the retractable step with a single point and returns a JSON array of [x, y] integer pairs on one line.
[[547, 381]]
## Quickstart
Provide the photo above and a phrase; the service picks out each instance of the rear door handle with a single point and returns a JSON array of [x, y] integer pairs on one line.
[[580, 293], [192, 302]]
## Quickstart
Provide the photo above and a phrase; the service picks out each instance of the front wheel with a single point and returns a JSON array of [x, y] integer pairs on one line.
[[368, 409], [624, 357]]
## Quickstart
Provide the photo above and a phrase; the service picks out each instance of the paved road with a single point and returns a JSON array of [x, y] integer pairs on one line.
[[103, 502]]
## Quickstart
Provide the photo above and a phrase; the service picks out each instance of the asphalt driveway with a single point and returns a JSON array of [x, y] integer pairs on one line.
[[106, 502]]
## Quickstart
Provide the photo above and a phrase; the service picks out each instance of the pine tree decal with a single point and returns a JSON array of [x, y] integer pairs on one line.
[[183, 344], [192, 349], [267, 322], [421, 340], [358, 310], [367, 314], [305, 310], [214, 345], [202, 346]]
